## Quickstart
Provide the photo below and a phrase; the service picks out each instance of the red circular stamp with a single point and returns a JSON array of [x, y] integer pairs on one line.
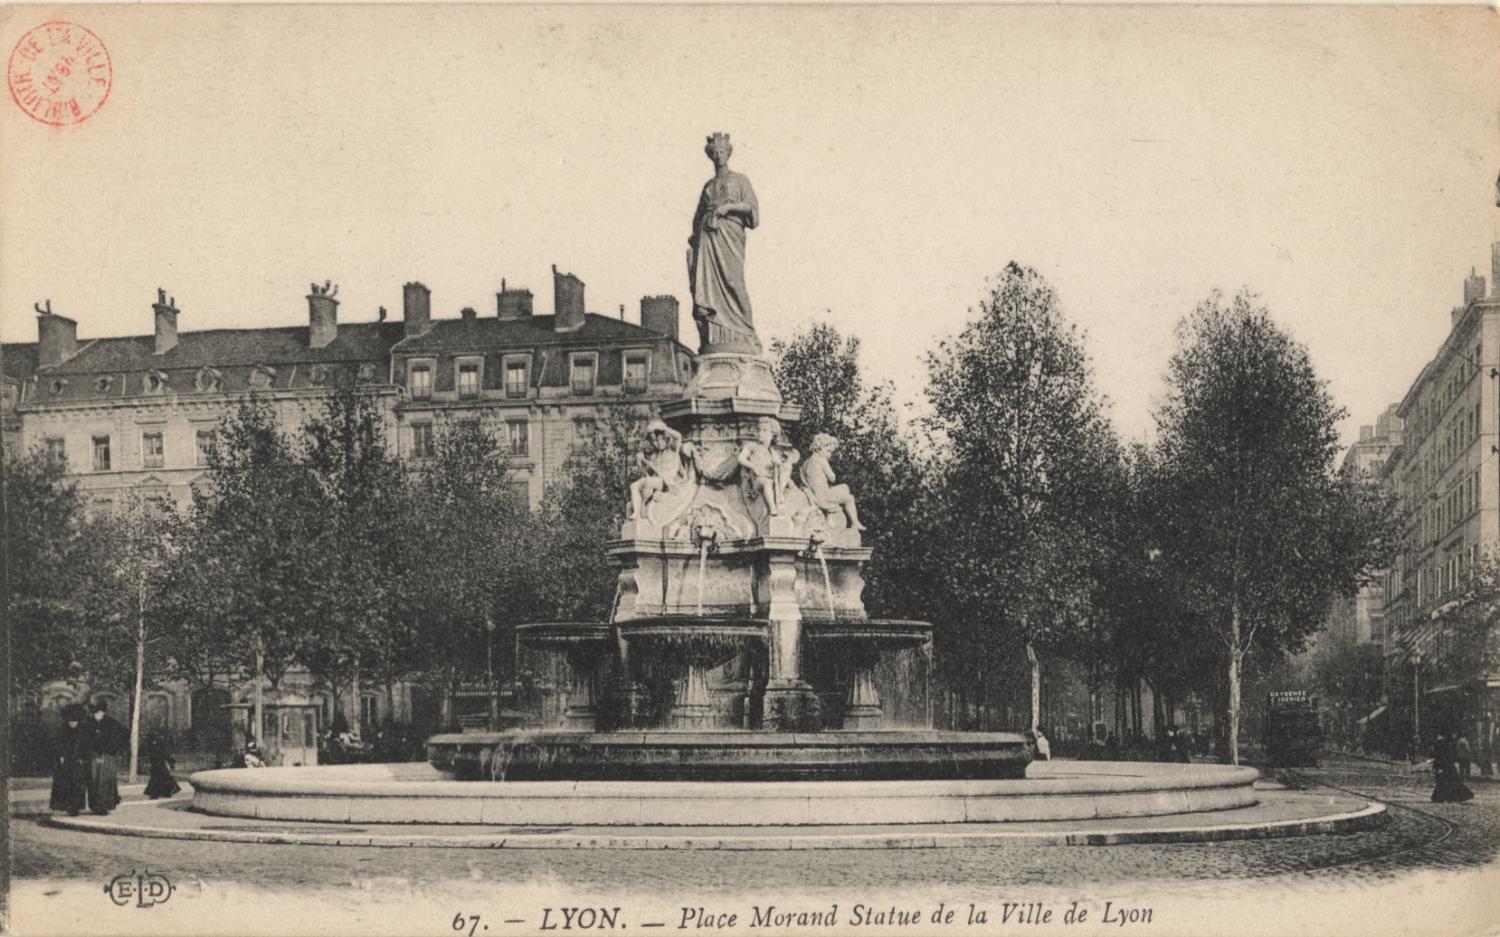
[[59, 73]]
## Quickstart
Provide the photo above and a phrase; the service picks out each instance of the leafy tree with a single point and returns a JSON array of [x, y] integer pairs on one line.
[[462, 533], [363, 554], [1026, 452], [44, 521], [566, 574], [121, 640], [1257, 529], [259, 526], [818, 369], [1349, 678]]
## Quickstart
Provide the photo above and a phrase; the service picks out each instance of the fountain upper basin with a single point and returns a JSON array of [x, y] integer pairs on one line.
[[660, 755]]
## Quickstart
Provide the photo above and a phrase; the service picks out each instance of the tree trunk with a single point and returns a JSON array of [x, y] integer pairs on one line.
[[140, 680], [390, 701], [356, 702], [1036, 685], [445, 709], [260, 696], [1234, 685]]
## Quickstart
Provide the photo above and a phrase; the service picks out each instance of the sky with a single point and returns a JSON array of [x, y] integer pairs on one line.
[[1340, 162]]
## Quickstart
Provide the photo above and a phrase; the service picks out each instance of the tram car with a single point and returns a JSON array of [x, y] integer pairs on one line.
[[1293, 732]]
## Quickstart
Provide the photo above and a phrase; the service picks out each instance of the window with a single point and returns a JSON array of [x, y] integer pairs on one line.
[[421, 440], [516, 377], [205, 444], [581, 374], [419, 381], [468, 379], [152, 450], [635, 372], [584, 428], [101, 453], [517, 434], [57, 450]]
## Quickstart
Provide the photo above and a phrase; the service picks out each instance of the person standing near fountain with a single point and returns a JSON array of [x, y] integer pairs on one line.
[[727, 208], [70, 778], [106, 740]]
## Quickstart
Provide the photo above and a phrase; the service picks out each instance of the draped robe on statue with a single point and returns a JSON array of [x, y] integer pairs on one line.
[[716, 266]]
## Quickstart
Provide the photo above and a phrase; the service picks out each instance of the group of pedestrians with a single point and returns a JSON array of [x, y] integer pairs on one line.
[[88, 761], [87, 773], [1451, 759]]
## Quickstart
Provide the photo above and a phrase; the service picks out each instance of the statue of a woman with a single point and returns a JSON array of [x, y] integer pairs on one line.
[[716, 256]]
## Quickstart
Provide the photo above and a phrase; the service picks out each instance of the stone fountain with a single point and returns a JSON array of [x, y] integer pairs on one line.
[[738, 555], [698, 703]]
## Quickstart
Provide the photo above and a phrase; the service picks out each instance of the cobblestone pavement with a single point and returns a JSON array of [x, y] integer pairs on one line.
[[1420, 836]]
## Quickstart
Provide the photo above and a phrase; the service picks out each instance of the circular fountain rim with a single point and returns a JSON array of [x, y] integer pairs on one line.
[[412, 793], [413, 779]]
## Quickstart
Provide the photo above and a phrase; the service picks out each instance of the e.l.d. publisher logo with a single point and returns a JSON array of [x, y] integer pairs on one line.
[[144, 889]]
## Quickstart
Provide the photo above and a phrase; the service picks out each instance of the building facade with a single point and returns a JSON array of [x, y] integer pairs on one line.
[[1445, 474], [137, 414], [1361, 620]]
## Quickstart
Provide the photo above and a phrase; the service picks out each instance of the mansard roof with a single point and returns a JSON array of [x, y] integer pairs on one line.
[[280, 358], [229, 348], [480, 333]]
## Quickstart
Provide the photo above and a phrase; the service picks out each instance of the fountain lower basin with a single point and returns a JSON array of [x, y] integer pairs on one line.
[[657, 755], [417, 793]]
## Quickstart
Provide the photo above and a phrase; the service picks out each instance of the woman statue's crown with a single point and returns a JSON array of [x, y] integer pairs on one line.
[[719, 138]]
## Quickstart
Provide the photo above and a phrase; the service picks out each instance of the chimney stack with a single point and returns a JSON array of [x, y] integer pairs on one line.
[[512, 304], [1473, 287], [567, 301], [322, 314], [466, 313], [57, 336], [416, 309], [166, 322], [659, 314]]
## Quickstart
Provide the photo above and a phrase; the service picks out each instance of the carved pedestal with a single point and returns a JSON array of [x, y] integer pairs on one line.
[[862, 711], [693, 707], [584, 667]]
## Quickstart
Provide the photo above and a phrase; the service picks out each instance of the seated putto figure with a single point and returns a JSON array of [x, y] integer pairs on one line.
[[667, 462], [818, 478], [767, 471]]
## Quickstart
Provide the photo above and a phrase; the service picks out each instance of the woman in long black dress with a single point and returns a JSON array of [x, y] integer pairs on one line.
[[106, 740], [1450, 787], [161, 783], [71, 773]]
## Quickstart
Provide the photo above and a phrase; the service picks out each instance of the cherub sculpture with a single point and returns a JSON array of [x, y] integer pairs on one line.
[[818, 478], [768, 472], [667, 462]]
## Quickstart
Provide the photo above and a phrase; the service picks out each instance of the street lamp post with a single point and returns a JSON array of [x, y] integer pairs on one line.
[[1416, 705], [489, 672]]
